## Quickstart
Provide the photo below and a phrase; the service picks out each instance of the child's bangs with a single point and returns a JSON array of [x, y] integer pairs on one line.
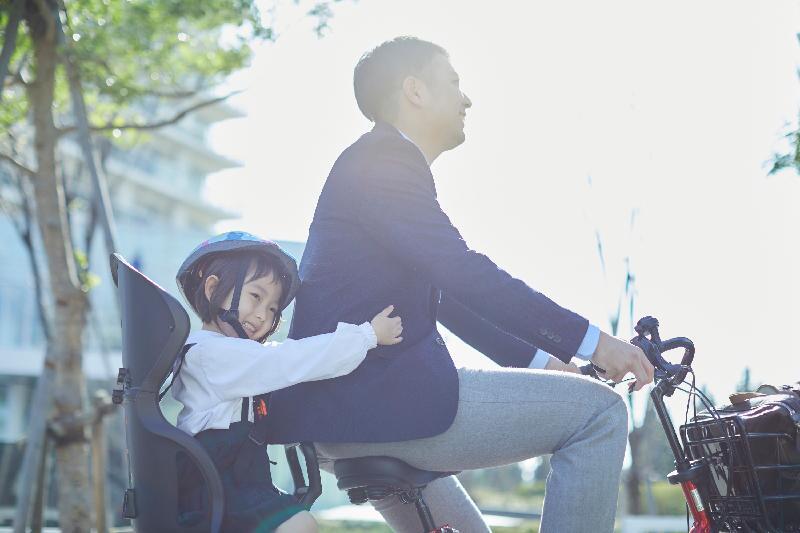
[[266, 264]]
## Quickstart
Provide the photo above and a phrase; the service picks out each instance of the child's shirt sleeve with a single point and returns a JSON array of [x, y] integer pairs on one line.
[[237, 368]]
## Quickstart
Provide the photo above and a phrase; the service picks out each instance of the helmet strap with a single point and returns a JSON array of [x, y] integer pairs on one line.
[[231, 316]]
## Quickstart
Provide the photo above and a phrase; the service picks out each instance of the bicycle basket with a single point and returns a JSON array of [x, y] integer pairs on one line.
[[753, 452]]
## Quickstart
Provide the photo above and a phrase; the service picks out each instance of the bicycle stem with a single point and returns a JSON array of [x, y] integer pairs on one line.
[[664, 388]]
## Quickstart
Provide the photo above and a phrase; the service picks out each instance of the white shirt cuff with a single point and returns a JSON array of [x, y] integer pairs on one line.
[[589, 344], [540, 359], [369, 333]]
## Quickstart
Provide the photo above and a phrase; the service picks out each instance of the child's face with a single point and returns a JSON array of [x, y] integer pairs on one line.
[[258, 304]]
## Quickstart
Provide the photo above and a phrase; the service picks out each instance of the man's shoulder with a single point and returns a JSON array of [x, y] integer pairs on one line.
[[377, 156], [382, 143]]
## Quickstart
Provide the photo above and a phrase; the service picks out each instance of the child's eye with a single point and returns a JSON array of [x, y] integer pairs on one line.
[[256, 296]]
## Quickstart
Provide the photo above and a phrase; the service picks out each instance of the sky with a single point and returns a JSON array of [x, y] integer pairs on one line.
[[647, 126]]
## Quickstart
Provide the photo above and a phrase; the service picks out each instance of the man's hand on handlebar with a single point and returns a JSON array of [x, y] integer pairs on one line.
[[618, 357]]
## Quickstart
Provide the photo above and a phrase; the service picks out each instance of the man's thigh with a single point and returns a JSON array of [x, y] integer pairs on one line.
[[504, 416]]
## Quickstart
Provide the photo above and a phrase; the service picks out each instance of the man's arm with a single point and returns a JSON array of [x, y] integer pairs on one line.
[[496, 344], [397, 206]]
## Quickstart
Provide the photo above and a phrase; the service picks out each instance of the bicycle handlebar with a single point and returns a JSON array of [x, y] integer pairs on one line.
[[653, 347]]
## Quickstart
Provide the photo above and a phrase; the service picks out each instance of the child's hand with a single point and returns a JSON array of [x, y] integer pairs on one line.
[[387, 329]]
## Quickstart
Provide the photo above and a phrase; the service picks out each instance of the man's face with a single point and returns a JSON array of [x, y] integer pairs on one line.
[[446, 105]]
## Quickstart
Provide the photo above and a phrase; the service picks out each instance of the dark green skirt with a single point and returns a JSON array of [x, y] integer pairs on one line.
[[252, 502]]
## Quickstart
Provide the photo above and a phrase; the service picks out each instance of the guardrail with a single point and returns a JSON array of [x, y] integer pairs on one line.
[[652, 524]]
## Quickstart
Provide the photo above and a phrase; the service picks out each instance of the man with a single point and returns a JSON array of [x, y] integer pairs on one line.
[[379, 237]]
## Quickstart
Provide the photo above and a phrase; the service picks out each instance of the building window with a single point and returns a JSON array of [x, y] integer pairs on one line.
[[19, 317]]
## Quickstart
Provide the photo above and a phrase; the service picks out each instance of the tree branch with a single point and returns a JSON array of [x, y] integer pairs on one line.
[[25, 226], [14, 76], [12, 179], [154, 125], [9, 41], [187, 93], [16, 164]]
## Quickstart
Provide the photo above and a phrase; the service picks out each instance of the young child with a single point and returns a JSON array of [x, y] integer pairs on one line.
[[238, 285]]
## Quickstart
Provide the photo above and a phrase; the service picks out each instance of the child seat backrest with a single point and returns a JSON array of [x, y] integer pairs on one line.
[[154, 330]]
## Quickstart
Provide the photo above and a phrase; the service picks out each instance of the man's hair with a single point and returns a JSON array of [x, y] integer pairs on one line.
[[381, 71], [226, 266]]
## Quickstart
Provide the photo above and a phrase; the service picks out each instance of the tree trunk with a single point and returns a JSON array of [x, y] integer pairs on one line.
[[69, 316]]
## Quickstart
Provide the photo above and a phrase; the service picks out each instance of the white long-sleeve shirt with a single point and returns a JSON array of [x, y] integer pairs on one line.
[[219, 371]]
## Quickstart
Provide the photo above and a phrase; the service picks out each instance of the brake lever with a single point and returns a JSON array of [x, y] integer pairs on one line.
[[589, 370], [594, 371]]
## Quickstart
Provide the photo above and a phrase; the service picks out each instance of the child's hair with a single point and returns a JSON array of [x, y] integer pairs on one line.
[[226, 267]]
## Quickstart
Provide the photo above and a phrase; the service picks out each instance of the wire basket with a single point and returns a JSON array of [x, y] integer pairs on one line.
[[754, 474]]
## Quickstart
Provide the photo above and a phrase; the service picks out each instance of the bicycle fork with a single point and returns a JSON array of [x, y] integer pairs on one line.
[[698, 510]]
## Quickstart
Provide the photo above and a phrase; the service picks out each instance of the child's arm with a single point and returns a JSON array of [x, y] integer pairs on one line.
[[237, 368]]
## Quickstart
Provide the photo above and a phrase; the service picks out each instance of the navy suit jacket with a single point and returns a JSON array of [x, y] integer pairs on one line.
[[379, 237]]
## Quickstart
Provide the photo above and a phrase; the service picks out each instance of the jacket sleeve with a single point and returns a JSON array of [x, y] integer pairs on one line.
[[236, 368], [396, 205], [502, 348]]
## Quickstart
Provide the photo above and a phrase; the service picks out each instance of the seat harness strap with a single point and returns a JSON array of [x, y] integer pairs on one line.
[[231, 316], [176, 368]]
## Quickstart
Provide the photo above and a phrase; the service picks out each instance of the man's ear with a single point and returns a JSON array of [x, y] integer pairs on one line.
[[210, 286], [414, 90]]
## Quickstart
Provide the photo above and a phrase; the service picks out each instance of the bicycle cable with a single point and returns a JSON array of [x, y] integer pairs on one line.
[[697, 393]]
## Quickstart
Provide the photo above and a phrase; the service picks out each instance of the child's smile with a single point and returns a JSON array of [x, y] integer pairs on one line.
[[249, 328], [259, 303]]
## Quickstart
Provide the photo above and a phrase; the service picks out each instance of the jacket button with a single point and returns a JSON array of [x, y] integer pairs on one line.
[[440, 341]]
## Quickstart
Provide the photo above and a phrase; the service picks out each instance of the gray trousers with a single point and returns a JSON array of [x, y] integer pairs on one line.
[[509, 415]]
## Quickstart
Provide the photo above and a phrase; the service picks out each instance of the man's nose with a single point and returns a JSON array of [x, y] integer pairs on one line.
[[467, 101]]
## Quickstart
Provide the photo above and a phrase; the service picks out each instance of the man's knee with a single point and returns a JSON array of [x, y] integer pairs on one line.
[[609, 405], [619, 409], [617, 415]]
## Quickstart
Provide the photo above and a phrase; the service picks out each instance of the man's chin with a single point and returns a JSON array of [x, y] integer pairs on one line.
[[458, 139]]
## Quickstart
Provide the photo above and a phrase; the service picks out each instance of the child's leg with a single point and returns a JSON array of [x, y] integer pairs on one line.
[[299, 523]]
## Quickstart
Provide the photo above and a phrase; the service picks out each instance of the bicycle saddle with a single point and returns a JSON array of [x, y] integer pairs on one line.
[[381, 471]]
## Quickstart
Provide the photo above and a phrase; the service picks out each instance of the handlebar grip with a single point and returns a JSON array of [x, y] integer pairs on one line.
[[680, 342], [653, 351]]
